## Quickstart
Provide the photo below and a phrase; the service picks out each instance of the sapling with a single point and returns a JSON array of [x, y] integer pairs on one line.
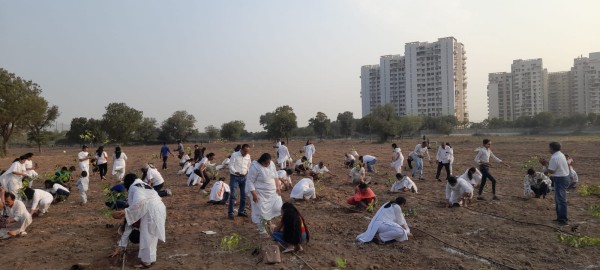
[[340, 262], [371, 207], [579, 241]]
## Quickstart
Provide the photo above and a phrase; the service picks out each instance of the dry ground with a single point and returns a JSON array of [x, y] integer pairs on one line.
[[70, 234]]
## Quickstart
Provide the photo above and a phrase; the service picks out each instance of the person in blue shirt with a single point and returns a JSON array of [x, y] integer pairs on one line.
[[164, 153]]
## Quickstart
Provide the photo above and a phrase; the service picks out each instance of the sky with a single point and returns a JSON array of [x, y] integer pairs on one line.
[[236, 60]]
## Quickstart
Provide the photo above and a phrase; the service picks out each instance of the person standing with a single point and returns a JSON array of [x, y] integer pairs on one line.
[[180, 151], [119, 163], [164, 154], [30, 168], [417, 155], [309, 150], [443, 157], [238, 169], [84, 159], [397, 158], [484, 154], [559, 168], [263, 185], [283, 155], [102, 162]]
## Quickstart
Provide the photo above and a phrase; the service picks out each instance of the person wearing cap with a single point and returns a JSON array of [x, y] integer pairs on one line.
[[84, 159]]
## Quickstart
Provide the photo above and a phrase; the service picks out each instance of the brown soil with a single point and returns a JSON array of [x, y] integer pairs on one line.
[[70, 234]]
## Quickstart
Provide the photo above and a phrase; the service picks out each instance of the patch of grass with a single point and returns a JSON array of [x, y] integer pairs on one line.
[[586, 190], [579, 241], [595, 210], [340, 263]]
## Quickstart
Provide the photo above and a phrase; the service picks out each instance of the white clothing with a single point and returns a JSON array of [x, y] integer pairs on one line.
[[284, 155], [558, 164], [318, 170], [350, 157], [154, 177], [444, 155], [304, 189], [185, 168], [13, 182], [357, 175], [190, 169], [119, 166], [41, 198], [536, 180], [476, 177], [239, 164], [405, 182], [368, 158], [455, 193], [224, 164], [101, 159], [218, 190], [193, 179], [30, 171], [145, 205], [22, 217], [420, 152], [309, 151], [84, 161], [262, 180], [283, 177], [389, 223], [124, 240], [484, 154], [183, 159], [397, 160], [82, 185], [204, 160], [451, 158], [56, 187]]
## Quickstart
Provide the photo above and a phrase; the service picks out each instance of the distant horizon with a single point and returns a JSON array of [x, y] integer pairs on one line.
[[238, 60]]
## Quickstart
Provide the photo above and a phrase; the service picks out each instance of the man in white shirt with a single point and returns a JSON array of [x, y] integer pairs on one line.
[[283, 155], [319, 170], [84, 159], [18, 216], [484, 154], [219, 193], [458, 191], [443, 157], [559, 168], [417, 155], [368, 161], [152, 177], [238, 168], [309, 151]]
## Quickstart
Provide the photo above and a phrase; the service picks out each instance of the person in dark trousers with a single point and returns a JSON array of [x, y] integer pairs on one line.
[[164, 154], [559, 168], [484, 154]]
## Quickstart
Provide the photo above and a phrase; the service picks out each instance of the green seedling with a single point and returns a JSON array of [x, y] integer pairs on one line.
[[579, 241], [586, 190], [595, 210], [371, 207], [531, 163], [340, 263]]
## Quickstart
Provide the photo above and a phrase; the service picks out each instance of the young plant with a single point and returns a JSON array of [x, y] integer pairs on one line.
[[585, 190], [531, 163], [231, 242], [371, 207], [340, 263], [595, 210], [578, 241]]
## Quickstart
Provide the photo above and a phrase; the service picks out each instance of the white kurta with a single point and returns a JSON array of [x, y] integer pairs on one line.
[[30, 171], [11, 181], [476, 177], [284, 155], [83, 165], [145, 205], [283, 177], [389, 223], [455, 193], [193, 179], [218, 190], [154, 177], [309, 151], [262, 180], [304, 189], [82, 185], [22, 217], [405, 182], [186, 166], [397, 160], [41, 200], [119, 166]]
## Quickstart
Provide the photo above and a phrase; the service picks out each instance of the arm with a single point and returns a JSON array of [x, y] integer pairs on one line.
[[494, 157], [250, 180]]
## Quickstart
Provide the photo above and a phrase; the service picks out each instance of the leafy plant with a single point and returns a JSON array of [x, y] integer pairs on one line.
[[585, 190], [530, 163], [410, 212], [111, 197], [235, 242], [341, 263], [595, 209], [579, 241], [371, 207]]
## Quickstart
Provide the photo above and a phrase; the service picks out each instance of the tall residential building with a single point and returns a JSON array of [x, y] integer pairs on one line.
[[429, 80], [585, 84], [559, 102], [499, 92], [529, 81], [370, 92]]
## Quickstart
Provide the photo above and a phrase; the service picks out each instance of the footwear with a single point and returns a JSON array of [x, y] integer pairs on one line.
[[169, 193], [495, 198], [242, 214], [455, 205], [563, 223], [288, 250], [142, 265], [421, 178], [480, 198], [298, 249]]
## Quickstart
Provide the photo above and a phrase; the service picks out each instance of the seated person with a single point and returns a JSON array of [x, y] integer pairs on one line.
[[319, 170], [301, 165], [349, 160], [285, 179], [388, 223], [358, 174], [404, 183], [62, 176], [304, 189], [219, 193], [472, 175], [18, 217], [57, 190], [363, 196], [224, 164], [291, 231], [40, 200], [458, 191], [536, 184]]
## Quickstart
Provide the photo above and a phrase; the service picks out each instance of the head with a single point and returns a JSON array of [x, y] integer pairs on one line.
[[321, 164], [72, 169], [28, 156], [64, 169], [554, 147], [442, 145], [394, 146], [287, 207], [399, 176], [22, 159], [363, 186], [100, 150], [360, 158], [196, 146], [424, 144], [452, 180], [145, 168], [399, 201], [282, 143], [307, 142], [222, 179], [29, 193], [210, 156], [129, 179], [471, 171], [264, 159], [304, 159], [245, 149], [487, 143], [48, 183], [448, 144], [178, 141], [9, 198], [530, 172], [289, 172], [118, 149], [237, 148], [84, 174], [84, 147]]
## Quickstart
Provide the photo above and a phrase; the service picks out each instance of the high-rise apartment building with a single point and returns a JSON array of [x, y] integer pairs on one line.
[[585, 84], [429, 80], [499, 92], [559, 102]]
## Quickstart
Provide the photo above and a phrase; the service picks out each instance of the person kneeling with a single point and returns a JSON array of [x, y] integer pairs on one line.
[[219, 193], [536, 184], [304, 189], [458, 191], [292, 230], [404, 183], [388, 223], [363, 196]]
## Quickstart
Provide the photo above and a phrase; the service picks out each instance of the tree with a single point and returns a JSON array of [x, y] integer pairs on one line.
[[320, 124], [16, 95], [41, 118], [178, 127], [78, 127], [384, 121], [280, 123], [346, 122], [121, 122], [212, 132], [232, 131], [408, 125], [148, 130]]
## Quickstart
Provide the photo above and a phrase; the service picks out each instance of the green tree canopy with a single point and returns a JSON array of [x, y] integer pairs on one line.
[[232, 131], [279, 123], [121, 122], [383, 121], [212, 132], [320, 124], [178, 127], [41, 118], [346, 123], [148, 130]]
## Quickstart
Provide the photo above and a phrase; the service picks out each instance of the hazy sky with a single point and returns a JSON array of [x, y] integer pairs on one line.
[[236, 60]]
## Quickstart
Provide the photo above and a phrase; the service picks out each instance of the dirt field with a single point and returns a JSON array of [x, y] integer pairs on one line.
[[71, 234]]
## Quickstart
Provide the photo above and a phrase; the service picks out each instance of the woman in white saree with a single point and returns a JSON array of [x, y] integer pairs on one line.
[[262, 184], [389, 223]]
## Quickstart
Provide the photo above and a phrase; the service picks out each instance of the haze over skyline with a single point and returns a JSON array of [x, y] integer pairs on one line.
[[204, 56]]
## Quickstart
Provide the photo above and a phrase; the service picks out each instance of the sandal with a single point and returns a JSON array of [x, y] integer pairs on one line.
[[142, 266], [288, 250]]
